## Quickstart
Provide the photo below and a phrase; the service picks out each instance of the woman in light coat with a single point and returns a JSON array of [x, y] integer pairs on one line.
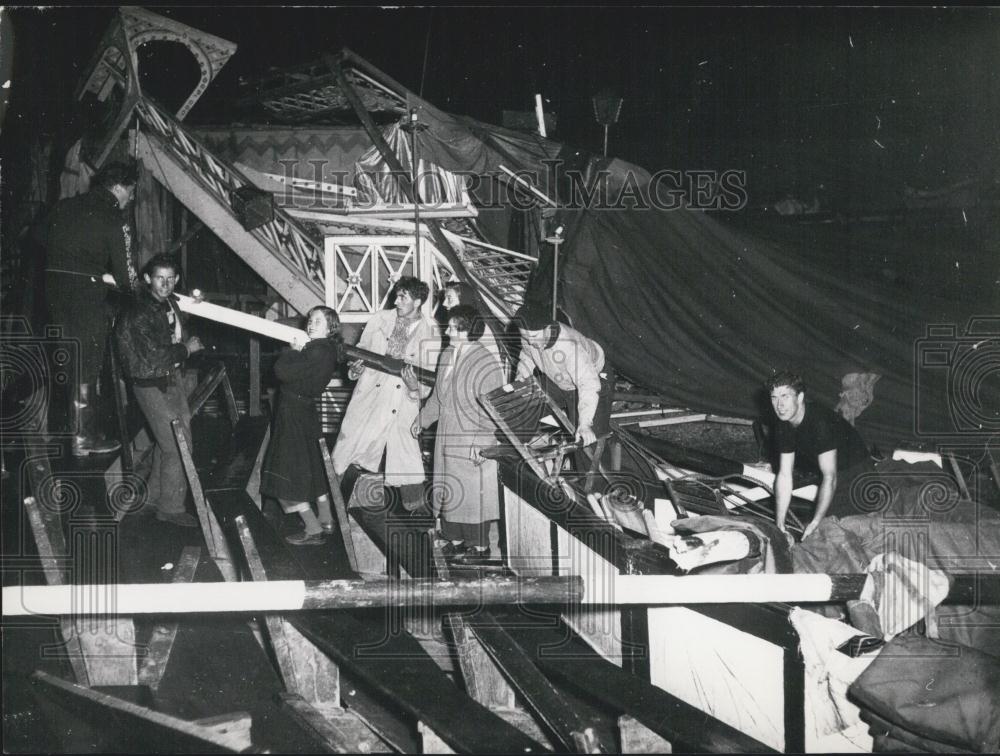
[[464, 491]]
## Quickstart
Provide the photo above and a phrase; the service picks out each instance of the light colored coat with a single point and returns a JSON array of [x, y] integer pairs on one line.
[[381, 410], [572, 362], [464, 490]]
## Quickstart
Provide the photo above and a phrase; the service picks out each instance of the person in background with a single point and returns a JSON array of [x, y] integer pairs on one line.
[[88, 241], [466, 498], [811, 437], [293, 471], [460, 293], [456, 293], [153, 347]]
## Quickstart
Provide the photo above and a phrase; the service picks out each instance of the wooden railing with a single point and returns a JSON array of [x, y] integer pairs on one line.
[[283, 235]]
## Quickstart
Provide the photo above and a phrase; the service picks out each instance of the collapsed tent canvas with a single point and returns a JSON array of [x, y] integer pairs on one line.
[[704, 313]]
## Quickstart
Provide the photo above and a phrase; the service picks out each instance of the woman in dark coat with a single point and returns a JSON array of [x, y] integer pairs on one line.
[[293, 471]]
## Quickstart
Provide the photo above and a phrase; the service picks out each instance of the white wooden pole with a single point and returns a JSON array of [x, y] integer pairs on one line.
[[293, 595], [238, 319]]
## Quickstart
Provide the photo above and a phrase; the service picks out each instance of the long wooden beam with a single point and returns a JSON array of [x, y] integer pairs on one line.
[[237, 319], [291, 595], [628, 590], [139, 723]]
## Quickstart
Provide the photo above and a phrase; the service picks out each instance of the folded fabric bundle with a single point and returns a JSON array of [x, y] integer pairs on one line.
[[938, 692], [891, 738]]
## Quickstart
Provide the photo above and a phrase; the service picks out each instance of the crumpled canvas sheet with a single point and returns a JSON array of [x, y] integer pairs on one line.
[[931, 696], [902, 591], [774, 552], [833, 722], [920, 516]]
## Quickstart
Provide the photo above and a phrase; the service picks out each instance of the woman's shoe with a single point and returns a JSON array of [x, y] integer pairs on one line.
[[452, 550], [306, 539]]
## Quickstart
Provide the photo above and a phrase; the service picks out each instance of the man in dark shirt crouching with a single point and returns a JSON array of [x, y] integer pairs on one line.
[[811, 437]]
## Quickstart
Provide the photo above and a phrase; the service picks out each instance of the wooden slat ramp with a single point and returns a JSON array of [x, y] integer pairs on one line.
[[570, 723], [383, 658], [371, 648], [572, 662]]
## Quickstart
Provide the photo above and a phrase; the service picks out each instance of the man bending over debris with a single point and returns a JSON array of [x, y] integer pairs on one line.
[[152, 345], [574, 364], [811, 437]]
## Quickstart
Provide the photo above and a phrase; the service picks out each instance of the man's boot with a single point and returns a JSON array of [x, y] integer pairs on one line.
[[88, 439]]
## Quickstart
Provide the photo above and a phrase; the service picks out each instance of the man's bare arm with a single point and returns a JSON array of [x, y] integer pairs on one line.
[[783, 488], [827, 488]]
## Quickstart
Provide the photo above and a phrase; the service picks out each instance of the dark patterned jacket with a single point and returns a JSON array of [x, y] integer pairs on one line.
[[145, 342], [88, 234]]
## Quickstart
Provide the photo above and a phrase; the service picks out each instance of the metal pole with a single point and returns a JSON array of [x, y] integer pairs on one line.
[[413, 178], [555, 280], [555, 241], [605, 140]]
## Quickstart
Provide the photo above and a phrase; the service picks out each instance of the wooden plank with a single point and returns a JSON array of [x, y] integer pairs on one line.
[[237, 726], [98, 651], [231, 409], [333, 731], [430, 741], [239, 319], [624, 396], [482, 677], [155, 731], [304, 669], [392, 665], [339, 506], [583, 669], [161, 643], [635, 737], [218, 548], [255, 392], [630, 415], [52, 553], [694, 417], [729, 420], [374, 712], [253, 484], [209, 384], [541, 695]]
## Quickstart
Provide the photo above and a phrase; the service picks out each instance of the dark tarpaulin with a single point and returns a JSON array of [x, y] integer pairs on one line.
[[464, 145], [703, 314]]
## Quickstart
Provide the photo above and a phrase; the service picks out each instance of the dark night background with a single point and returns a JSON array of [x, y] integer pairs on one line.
[[861, 101]]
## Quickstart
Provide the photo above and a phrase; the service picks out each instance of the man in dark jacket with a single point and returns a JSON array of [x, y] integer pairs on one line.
[[152, 344], [89, 247]]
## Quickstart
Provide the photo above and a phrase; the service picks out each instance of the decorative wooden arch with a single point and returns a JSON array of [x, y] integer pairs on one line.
[[116, 62]]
